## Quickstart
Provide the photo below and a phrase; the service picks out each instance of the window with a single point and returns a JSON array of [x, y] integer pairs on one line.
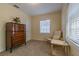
[[45, 26], [74, 29]]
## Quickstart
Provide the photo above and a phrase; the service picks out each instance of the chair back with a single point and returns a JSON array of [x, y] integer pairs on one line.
[[57, 35]]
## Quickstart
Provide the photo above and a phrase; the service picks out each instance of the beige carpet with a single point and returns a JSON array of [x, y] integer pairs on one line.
[[34, 48]]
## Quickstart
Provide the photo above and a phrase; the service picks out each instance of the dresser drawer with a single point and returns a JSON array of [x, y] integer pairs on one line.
[[17, 38], [19, 33], [18, 42], [19, 27]]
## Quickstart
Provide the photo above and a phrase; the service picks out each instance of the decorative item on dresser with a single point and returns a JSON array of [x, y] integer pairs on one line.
[[15, 35]]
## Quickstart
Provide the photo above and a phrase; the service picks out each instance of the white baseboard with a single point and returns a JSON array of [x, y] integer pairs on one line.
[[1, 50], [39, 40]]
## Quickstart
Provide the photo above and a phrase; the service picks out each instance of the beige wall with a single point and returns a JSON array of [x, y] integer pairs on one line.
[[55, 19], [7, 12], [69, 11]]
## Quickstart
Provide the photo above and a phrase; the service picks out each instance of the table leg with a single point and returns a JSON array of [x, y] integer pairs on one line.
[[65, 48], [68, 50], [51, 49]]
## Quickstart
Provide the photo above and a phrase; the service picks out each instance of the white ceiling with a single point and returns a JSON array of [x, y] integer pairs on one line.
[[39, 8]]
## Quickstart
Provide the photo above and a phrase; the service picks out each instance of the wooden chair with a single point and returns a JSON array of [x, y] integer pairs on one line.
[[56, 40]]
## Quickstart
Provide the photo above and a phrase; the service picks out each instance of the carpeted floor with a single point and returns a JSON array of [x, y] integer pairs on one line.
[[34, 48]]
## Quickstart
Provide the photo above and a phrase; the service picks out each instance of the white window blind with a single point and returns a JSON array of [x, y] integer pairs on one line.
[[74, 29], [45, 26]]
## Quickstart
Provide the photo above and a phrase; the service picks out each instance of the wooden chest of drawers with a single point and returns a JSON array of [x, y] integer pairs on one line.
[[15, 35]]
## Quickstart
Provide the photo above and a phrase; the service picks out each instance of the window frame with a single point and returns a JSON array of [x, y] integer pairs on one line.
[[45, 26]]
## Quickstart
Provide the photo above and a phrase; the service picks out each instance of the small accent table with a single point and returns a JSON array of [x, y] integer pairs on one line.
[[60, 43]]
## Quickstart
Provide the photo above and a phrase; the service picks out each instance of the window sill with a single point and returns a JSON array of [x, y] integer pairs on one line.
[[73, 42]]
